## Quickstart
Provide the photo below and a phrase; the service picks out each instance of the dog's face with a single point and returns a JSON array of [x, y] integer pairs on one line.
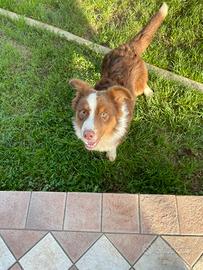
[[99, 115]]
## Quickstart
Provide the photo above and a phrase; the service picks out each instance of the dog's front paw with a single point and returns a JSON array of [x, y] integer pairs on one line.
[[148, 92], [111, 155]]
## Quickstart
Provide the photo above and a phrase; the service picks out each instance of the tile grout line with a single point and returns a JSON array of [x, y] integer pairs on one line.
[[102, 212], [118, 251], [6, 244], [176, 200], [61, 247], [135, 210], [100, 236], [150, 244], [64, 214], [32, 247], [109, 232], [174, 250], [139, 214], [72, 267], [74, 263], [104, 233], [10, 268], [28, 210], [147, 248], [127, 232], [201, 256]]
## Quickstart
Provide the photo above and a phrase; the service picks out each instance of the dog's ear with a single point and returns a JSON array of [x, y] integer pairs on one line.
[[119, 93], [79, 85], [76, 100]]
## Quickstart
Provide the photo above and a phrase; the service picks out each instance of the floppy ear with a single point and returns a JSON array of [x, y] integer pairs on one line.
[[119, 93], [79, 85]]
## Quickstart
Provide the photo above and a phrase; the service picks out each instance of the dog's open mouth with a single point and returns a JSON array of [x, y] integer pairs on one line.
[[91, 145]]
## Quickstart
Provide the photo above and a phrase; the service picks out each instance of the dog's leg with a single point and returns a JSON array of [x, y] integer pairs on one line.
[[148, 92], [111, 155]]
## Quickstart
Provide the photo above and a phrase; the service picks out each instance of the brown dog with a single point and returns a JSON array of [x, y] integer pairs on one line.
[[104, 112]]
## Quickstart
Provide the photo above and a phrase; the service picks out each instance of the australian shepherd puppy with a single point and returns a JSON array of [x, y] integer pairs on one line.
[[103, 113]]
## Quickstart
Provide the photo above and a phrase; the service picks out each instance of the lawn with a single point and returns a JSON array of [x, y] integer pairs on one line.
[[163, 152]]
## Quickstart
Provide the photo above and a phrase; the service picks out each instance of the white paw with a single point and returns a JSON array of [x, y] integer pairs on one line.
[[148, 92], [111, 155]]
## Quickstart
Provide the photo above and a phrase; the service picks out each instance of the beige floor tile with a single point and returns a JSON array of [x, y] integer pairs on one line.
[[16, 267], [188, 247], [120, 213], [199, 264], [83, 212], [6, 258], [47, 254], [46, 211], [131, 246], [19, 241], [102, 255], [160, 256], [190, 210], [158, 214], [76, 243], [73, 268], [13, 209]]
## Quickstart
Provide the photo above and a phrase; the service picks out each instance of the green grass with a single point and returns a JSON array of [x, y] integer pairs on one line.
[[163, 152], [177, 46]]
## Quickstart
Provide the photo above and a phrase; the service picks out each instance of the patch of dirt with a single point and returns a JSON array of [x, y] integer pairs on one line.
[[185, 152], [197, 182]]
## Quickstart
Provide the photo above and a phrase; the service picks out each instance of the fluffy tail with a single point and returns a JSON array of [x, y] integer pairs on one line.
[[144, 37]]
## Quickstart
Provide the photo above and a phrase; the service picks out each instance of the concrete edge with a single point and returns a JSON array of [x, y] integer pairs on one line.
[[98, 48]]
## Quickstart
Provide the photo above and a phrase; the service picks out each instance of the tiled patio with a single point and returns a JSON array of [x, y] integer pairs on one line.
[[88, 231]]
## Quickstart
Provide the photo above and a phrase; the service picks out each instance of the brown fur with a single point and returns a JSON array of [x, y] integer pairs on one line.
[[108, 101], [124, 66], [124, 76]]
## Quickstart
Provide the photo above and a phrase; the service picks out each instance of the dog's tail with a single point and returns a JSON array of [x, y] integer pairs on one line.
[[142, 40]]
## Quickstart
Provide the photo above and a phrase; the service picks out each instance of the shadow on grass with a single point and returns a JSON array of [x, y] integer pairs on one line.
[[65, 14]]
